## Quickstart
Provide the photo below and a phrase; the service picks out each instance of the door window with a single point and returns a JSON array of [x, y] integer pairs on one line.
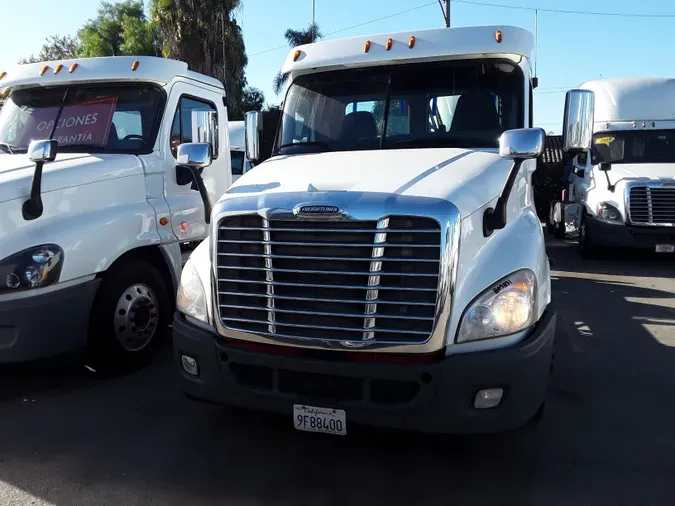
[[181, 129]]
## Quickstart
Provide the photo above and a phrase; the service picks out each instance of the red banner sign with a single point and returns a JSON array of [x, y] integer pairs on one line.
[[82, 123]]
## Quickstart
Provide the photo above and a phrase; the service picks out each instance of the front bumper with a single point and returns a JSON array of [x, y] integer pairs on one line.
[[434, 397], [47, 324], [628, 236]]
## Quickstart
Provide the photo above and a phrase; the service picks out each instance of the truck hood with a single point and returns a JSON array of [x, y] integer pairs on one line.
[[68, 170], [642, 171], [468, 178]]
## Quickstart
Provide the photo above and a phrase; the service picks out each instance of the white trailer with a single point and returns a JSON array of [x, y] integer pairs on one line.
[[95, 202], [386, 265]]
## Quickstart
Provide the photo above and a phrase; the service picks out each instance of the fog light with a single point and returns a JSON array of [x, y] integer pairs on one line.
[[190, 365], [488, 398]]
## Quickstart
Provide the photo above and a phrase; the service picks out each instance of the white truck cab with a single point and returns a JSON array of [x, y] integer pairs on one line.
[[626, 187], [240, 162], [94, 201], [386, 265]]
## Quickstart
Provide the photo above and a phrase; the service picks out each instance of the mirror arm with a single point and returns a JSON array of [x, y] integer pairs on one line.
[[610, 186], [32, 208], [204, 194], [495, 219]]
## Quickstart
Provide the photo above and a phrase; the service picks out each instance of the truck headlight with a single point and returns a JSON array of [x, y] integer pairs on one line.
[[191, 298], [608, 212], [32, 268], [507, 307]]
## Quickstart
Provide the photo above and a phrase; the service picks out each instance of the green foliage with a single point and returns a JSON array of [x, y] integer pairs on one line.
[[55, 48], [296, 38], [205, 34], [118, 29], [253, 100]]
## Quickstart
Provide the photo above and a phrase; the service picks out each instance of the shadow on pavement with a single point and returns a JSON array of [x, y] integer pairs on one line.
[[606, 437]]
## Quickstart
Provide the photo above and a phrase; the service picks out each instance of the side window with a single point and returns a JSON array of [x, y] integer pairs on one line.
[[237, 158], [181, 129]]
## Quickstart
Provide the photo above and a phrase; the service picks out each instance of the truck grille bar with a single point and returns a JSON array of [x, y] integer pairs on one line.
[[652, 205], [357, 282]]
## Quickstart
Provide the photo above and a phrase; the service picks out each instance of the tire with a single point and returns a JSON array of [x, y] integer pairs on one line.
[[587, 248], [130, 318]]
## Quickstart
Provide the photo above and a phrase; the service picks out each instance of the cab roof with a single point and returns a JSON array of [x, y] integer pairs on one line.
[[633, 99], [428, 45], [109, 68]]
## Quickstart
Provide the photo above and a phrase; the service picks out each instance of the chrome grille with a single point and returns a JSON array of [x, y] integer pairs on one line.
[[372, 281], [652, 205]]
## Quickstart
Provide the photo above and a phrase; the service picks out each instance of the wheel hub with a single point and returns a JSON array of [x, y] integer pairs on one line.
[[136, 317]]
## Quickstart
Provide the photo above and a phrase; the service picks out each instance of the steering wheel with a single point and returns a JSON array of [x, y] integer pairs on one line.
[[132, 136]]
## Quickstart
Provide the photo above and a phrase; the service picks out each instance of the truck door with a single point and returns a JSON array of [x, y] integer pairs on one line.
[[185, 203]]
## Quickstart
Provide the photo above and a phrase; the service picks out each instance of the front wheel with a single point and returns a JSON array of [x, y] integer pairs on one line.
[[130, 317], [587, 247]]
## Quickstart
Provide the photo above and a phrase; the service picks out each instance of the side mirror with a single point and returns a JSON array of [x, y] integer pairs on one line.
[[42, 151], [522, 143], [578, 121], [252, 130], [195, 155], [205, 128]]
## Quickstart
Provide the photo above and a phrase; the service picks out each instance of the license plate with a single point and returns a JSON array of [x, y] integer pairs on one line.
[[665, 248], [313, 419]]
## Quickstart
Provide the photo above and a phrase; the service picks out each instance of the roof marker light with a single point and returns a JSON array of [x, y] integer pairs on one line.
[[2, 74], [72, 68], [644, 124], [296, 55], [411, 42], [44, 69], [58, 68], [388, 45], [634, 124], [134, 65], [366, 46], [498, 36]]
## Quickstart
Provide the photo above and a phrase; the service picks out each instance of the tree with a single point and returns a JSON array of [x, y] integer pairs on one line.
[[296, 38], [205, 34], [253, 99], [118, 29], [55, 48]]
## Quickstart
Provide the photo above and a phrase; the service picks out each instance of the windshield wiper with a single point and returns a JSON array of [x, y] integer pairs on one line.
[[10, 148], [385, 116], [89, 147], [317, 144], [454, 142]]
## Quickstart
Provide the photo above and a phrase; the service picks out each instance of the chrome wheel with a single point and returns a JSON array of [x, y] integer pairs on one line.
[[136, 317]]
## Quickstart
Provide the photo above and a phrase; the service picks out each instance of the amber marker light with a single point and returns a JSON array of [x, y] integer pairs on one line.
[[134, 65], [388, 45], [366, 46], [498, 36], [72, 68], [411, 42], [296, 55], [44, 69], [58, 68]]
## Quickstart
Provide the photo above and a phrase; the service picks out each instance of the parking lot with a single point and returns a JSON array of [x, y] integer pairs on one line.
[[68, 437]]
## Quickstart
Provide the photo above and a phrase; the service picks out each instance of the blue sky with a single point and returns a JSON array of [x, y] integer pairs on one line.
[[572, 47]]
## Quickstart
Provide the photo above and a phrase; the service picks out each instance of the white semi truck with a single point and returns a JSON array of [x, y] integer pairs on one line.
[[624, 188], [386, 265], [95, 202]]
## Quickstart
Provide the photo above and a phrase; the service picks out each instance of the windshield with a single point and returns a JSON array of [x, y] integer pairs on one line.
[[101, 118], [462, 104], [646, 146]]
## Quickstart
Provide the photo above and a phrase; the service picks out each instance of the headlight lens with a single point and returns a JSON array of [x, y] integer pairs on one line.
[[507, 307], [608, 212], [191, 299], [32, 268]]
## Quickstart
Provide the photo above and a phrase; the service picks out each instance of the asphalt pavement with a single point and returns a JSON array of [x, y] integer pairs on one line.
[[68, 437]]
